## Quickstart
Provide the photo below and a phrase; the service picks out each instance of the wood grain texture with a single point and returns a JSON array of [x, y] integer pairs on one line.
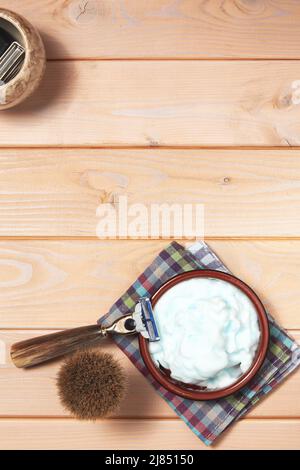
[[63, 284], [142, 434], [141, 401], [160, 103], [56, 192], [165, 28]]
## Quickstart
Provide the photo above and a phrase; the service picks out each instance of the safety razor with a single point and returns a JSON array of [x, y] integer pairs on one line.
[[44, 348]]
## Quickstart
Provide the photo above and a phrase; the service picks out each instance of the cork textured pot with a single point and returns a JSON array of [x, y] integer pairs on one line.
[[193, 392], [31, 73]]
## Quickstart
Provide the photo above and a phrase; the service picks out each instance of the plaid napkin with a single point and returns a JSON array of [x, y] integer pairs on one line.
[[207, 419]]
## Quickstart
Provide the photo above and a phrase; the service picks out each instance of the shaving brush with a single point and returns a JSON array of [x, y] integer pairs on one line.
[[91, 384]]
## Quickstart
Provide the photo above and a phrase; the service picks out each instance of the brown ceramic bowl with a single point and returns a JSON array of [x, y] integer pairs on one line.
[[32, 70], [194, 392]]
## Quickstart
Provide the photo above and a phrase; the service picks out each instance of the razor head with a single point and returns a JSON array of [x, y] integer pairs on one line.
[[11, 62], [144, 319]]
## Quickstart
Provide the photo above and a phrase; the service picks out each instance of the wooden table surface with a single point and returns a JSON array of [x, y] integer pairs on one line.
[[164, 101]]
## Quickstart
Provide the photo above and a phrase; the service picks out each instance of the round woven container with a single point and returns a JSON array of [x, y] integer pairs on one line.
[[32, 70]]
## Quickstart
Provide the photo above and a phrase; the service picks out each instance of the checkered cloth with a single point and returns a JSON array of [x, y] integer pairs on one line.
[[207, 419]]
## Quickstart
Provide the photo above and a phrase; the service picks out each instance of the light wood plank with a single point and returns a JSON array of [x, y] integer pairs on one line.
[[63, 284], [160, 103], [57, 192], [165, 28], [37, 387], [60, 284], [143, 434]]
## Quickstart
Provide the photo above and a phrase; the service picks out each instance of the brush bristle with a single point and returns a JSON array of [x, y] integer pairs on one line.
[[91, 384]]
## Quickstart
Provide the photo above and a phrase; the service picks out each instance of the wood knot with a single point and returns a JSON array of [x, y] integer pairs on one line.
[[83, 12], [110, 197], [152, 142], [226, 180], [290, 96]]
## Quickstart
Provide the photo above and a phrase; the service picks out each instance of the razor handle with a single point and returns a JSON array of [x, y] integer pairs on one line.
[[40, 349]]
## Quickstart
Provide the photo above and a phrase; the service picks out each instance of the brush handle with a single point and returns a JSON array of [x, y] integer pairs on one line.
[[43, 348]]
